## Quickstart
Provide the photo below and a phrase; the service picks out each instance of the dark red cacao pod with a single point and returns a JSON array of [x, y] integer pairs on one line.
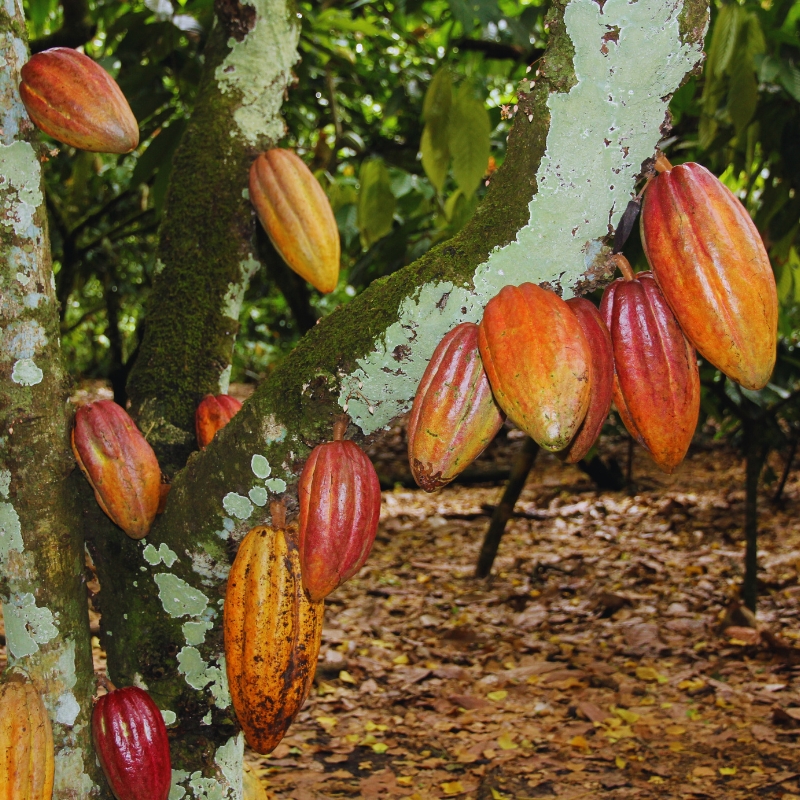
[[711, 265], [119, 464], [131, 743], [454, 415], [340, 504], [657, 384], [601, 366], [214, 413], [73, 99], [537, 359]]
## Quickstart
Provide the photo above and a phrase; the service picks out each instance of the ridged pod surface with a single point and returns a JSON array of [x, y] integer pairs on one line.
[[340, 504], [657, 384], [710, 262], [119, 464], [297, 216], [538, 362], [454, 416], [73, 99], [131, 743], [272, 636], [214, 413], [602, 379], [26, 743]]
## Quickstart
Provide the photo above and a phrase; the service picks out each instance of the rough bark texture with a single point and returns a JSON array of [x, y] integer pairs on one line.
[[41, 546]]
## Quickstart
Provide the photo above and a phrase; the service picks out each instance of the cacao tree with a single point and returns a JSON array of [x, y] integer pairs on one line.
[[587, 120]]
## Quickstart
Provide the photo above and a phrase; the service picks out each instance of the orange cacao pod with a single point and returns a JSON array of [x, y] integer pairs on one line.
[[340, 503], [454, 415], [297, 216], [119, 464], [657, 384], [272, 635], [27, 757], [711, 265], [213, 413], [73, 99], [538, 362], [602, 379]]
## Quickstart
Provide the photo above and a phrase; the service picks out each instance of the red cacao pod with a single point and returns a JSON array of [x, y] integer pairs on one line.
[[73, 99], [538, 362], [601, 381], [297, 216], [213, 413], [340, 503], [454, 416], [119, 464], [131, 743], [272, 635], [657, 384], [26, 742], [711, 265]]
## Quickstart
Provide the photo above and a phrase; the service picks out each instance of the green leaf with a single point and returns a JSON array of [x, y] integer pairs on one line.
[[159, 152], [468, 138], [439, 97], [465, 11], [724, 39], [742, 92], [784, 284], [375, 202], [754, 37], [789, 78], [435, 152]]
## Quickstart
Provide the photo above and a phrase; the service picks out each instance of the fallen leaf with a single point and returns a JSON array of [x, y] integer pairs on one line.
[[497, 696], [454, 787]]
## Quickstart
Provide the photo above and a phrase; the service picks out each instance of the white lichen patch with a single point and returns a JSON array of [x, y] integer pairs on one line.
[[26, 373], [272, 430], [229, 759], [163, 554], [259, 495], [600, 133], [276, 485], [259, 68], [206, 788], [10, 531], [27, 625], [23, 339], [213, 569], [237, 506], [20, 192], [70, 779], [232, 300], [179, 598], [199, 675], [176, 792], [169, 717], [225, 379], [195, 632], [5, 482], [67, 709], [260, 466]]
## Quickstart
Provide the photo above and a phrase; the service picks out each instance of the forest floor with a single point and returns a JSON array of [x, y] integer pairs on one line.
[[604, 657]]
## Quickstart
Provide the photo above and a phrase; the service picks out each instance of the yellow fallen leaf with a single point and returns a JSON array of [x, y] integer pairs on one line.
[[630, 717], [655, 779], [676, 747], [498, 795], [692, 685], [352, 738], [346, 677], [367, 741], [343, 647], [401, 659], [405, 780], [674, 730], [727, 770], [327, 722], [647, 674], [454, 787], [620, 762], [380, 747], [326, 688], [622, 732], [499, 695], [579, 741], [423, 578], [506, 742], [703, 772]]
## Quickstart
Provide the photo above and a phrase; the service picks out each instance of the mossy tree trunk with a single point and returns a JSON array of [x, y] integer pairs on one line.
[[589, 117]]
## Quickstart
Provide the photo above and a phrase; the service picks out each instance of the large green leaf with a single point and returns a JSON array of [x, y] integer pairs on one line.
[[724, 39], [375, 202], [742, 92], [468, 138], [465, 11], [439, 97], [435, 152]]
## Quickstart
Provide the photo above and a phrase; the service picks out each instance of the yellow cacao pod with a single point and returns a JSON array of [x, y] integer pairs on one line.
[[297, 216]]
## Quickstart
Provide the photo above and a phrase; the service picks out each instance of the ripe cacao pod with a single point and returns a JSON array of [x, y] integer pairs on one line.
[[454, 416], [119, 464], [538, 362], [340, 503], [131, 743], [297, 216], [27, 758], [601, 366], [711, 265], [213, 413], [73, 99], [657, 384], [272, 635]]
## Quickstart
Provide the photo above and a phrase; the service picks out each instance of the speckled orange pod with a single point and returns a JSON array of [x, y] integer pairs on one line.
[[213, 414]]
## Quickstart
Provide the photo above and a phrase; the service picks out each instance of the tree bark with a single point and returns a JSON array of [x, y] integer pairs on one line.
[[41, 546]]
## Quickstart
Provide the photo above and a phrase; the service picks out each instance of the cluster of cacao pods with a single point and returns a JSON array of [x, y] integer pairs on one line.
[[553, 367], [73, 99]]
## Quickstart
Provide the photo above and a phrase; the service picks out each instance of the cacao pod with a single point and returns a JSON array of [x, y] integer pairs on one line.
[[711, 265], [131, 743], [73, 99], [454, 416], [297, 216], [213, 413], [27, 758], [119, 464], [272, 635], [602, 379], [340, 502], [538, 362], [657, 383]]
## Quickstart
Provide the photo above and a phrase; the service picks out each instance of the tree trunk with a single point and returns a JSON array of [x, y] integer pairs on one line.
[[787, 468]]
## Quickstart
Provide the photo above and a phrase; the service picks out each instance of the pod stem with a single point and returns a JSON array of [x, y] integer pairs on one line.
[[106, 683], [619, 260], [278, 510], [340, 427], [662, 164]]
